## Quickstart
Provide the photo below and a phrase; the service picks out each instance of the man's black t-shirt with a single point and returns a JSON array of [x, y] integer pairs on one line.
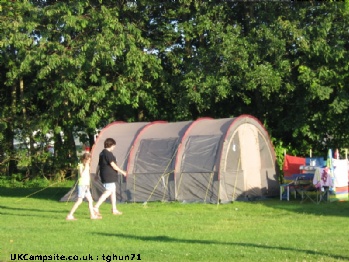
[[107, 172]]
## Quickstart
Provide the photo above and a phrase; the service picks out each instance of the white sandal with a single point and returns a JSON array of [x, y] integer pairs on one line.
[[116, 212]]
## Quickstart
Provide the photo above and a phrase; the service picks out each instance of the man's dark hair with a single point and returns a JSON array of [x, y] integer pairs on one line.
[[109, 142]]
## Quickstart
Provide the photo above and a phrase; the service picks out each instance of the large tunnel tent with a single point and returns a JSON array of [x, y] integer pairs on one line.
[[206, 160]]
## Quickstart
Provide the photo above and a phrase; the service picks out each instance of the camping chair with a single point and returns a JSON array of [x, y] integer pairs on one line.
[[305, 187], [291, 166], [322, 181], [323, 194]]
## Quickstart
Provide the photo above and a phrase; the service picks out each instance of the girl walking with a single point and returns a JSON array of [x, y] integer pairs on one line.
[[83, 188]]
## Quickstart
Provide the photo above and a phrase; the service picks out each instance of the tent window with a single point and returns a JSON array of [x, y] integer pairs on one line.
[[155, 155], [200, 154], [233, 162]]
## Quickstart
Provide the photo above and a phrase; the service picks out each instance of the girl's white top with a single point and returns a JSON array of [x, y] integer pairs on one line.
[[84, 174]]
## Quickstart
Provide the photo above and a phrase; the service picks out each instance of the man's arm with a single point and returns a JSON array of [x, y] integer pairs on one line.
[[118, 169]]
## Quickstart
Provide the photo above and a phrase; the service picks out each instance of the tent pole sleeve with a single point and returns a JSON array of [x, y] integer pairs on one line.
[[236, 178]]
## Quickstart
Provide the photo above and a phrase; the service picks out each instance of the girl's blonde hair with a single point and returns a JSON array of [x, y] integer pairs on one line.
[[85, 157]]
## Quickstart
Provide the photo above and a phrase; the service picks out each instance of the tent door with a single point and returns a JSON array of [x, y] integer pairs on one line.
[[250, 159]]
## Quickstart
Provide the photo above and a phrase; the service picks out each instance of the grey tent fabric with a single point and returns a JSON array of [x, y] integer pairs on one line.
[[152, 159], [206, 160]]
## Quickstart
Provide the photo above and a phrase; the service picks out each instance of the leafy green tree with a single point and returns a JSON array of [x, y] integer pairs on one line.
[[17, 26], [72, 66], [318, 98]]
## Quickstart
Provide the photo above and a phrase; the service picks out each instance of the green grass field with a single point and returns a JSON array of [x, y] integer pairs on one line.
[[270, 230]]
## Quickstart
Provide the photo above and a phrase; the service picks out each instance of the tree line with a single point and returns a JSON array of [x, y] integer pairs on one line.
[[68, 68]]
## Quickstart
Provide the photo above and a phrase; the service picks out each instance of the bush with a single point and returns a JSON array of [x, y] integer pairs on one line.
[[19, 181]]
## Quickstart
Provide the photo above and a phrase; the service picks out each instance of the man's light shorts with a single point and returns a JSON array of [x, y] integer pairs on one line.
[[110, 187], [83, 191]]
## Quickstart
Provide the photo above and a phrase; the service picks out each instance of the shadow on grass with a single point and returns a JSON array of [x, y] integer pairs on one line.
[[209, 242], [49, 193], [321, 209], [26, 210]]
